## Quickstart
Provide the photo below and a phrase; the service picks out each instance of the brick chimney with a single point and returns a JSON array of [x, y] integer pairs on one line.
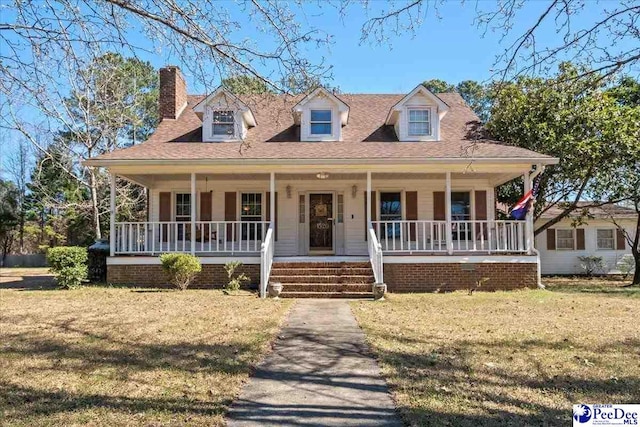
[[173, 92]]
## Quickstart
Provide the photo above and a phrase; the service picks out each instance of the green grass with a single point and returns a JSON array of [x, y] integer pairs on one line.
[[504, 358], [121, 357]]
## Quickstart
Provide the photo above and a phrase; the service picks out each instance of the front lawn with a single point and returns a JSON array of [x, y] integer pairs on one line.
[[505, 358], [112, 357]]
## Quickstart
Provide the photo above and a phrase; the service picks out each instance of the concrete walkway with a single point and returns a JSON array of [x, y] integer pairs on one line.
[[319, 374]]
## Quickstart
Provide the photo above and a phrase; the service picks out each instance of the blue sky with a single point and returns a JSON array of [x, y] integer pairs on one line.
[[447, 46]]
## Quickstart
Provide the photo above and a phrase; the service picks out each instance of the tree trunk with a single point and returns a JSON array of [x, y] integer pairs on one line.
[[635, 247], [21, 231], [94, 204]]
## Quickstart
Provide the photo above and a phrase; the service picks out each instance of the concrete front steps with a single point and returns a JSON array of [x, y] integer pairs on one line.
[[323, 279]]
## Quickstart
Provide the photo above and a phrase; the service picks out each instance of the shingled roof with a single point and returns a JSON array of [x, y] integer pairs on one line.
[[365, 136], [605, 211]]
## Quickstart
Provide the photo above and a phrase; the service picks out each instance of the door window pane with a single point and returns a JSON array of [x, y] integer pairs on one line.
[[340, 208], [301, 209]]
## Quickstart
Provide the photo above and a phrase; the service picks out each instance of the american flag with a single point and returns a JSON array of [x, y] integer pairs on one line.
[[519, 211]]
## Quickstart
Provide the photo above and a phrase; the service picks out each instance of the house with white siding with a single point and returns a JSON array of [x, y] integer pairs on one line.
[[595, 231], [326, 193]]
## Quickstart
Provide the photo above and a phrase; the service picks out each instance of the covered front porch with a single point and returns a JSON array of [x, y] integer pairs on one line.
[[209, 214], [408, 217]]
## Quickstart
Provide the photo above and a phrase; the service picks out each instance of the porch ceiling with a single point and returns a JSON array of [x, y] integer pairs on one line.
[[151, 180]]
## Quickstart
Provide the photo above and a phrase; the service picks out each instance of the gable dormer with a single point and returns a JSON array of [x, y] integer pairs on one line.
[[321, 116], [417, 116], [224, 117]]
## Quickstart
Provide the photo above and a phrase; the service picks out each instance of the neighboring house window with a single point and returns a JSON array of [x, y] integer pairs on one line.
[[565, 239], [391, 210], [605, 239], [223, 124], [183, 207], [419, 122], [320, 122], [251, 211]]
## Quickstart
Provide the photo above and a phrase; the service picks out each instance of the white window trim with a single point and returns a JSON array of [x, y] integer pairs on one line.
[[307, 136], [575, 237], [403, 215], [614, 239], [175, 205], [207, 127], [214, 123], [429, 121], [330, 122], [262, 203], [433, 124]]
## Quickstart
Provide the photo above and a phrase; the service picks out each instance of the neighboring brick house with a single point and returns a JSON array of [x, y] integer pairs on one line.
[[323, 192], [597, 234]]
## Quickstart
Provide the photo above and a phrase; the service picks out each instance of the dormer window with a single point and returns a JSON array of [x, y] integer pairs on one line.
[[225, 118], [417, 116], [320, 122], [419, 122], [223, 123], [321, 116]]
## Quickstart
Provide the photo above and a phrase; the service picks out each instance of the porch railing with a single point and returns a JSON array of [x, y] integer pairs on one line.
[[266, 261], [497, 236], [411, 236], [375, 256], [210, 237]]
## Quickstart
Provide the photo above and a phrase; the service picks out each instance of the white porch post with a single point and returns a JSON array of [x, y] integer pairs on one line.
[[112, 215], [369, 219], [193, 213], [528, 224], [272, 198], [447, 212]]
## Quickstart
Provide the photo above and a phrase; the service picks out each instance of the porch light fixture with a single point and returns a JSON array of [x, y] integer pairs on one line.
[[288, 188], [354, 191], [322, 175]]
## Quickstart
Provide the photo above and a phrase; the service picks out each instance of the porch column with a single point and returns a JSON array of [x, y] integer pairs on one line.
[[369, 219], [528, 224], [272, 199], [447, 212], [193, 213], [112, 215]]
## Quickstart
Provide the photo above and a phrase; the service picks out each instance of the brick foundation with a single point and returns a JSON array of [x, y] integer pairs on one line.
[[444, 277], [432, 277], [212, 275]]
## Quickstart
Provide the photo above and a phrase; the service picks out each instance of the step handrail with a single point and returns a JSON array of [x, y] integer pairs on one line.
[[375, 256], [266, 260]]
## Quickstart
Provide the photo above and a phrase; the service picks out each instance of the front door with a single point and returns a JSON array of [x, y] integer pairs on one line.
[[321, 223]]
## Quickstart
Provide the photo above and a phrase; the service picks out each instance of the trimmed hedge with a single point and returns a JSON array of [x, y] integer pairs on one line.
[[69, 264], [181, 268]]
